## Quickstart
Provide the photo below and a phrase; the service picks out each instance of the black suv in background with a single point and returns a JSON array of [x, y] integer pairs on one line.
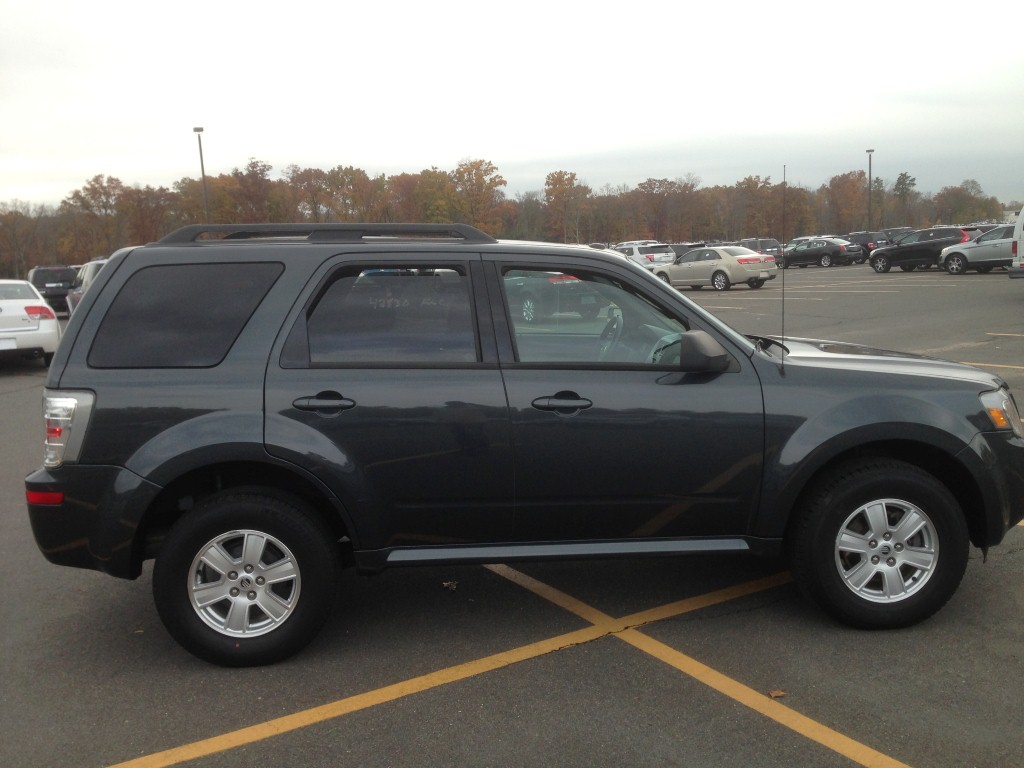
[[868, 241], [256, 405], [764, 245], [917, 249], [53, 283]]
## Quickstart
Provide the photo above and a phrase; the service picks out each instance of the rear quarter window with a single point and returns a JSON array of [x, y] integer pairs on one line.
[[180, 315]]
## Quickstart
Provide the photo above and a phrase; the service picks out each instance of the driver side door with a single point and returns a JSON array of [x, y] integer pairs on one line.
[[609, 439]]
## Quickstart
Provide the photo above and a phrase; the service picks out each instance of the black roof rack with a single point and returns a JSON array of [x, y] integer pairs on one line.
[[329, 233]]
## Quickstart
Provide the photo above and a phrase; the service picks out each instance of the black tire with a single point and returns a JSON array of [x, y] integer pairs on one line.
[[848, 555], [720, 281], [696, 287], [956, 264], [908, 267], [664, 277], [47, 359], [880, 264], [279, 615], [985, 269], [756, 283], [825, 260]]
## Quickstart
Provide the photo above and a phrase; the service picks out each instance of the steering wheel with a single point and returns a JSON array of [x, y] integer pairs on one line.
[[610, 334], [666, 350]]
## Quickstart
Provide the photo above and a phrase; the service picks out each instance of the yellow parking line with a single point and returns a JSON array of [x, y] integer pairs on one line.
[[293, 722], [770, 708], [602, 625]]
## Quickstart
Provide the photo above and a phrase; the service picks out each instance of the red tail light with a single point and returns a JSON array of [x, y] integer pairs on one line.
[[965, 237], [40, 313], [842, 247], [748, 260], [1013, 247], [48, 498], [769, 258]]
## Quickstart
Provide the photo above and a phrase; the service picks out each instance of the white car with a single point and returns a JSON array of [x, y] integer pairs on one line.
[[28, 325], [647, 253], [719, 268]]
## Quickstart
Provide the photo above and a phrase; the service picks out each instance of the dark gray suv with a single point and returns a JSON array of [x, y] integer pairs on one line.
[[256, 406]]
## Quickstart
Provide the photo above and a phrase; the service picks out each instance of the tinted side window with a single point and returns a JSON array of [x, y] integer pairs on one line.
[[389, 316], [181, 315]]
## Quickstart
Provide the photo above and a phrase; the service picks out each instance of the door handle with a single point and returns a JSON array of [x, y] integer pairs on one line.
[[562, 403], [324, 403]]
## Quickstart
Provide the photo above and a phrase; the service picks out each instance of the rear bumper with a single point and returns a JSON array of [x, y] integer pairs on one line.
[[96, 525]]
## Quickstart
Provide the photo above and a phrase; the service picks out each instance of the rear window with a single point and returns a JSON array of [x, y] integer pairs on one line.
[[41, 276], [180, 315], [645, 249]]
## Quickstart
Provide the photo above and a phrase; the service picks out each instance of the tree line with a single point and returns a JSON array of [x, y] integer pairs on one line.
[[106, 214]]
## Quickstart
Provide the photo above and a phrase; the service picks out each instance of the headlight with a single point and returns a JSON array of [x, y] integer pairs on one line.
[[1002, 411]]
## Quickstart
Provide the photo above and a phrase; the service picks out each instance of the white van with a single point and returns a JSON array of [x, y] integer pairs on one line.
[[1017, 247]]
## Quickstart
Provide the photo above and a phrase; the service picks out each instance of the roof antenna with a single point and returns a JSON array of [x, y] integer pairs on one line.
[[784, 270]]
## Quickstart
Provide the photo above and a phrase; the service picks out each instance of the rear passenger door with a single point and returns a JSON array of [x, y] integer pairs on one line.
[[387, 391]]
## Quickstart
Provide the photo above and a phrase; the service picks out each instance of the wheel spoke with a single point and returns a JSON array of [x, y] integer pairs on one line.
[[860, 575], [272, 605], [282, 570], [894, 585], [878, 522], [853, 542], [252, 550], [237, 620], [213, 592], [909, 525], [216, 558], [922, 559]]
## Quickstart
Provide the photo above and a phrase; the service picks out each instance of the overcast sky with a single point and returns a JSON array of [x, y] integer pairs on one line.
[[615, 92]]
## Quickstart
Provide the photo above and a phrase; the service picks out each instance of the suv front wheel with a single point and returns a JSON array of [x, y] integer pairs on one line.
[[879, 544], [247, 577], [956, 264]]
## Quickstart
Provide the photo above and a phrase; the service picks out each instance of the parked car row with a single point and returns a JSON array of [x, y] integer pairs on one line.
[[62, 287]]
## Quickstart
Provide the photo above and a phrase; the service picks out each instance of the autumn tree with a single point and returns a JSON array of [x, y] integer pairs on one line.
[[436, 196], [566, 202], [90, 221], [846, 199], [965, 203], [478, 194]]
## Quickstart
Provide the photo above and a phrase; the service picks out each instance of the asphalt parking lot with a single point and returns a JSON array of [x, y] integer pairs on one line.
[[669, 662]]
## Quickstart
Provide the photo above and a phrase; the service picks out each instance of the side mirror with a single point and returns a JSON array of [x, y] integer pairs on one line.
[[699, 352]]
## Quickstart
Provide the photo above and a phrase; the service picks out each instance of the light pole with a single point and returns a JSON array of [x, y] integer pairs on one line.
[[870, 152], [202, 169]]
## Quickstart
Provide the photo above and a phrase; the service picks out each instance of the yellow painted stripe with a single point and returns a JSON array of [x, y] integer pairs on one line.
[[308, 717], [770, 708], [805, 726]]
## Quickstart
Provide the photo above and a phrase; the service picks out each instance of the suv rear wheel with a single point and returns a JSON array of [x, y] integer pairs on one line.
[[880, 264], [880, 544], [248, 577]]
